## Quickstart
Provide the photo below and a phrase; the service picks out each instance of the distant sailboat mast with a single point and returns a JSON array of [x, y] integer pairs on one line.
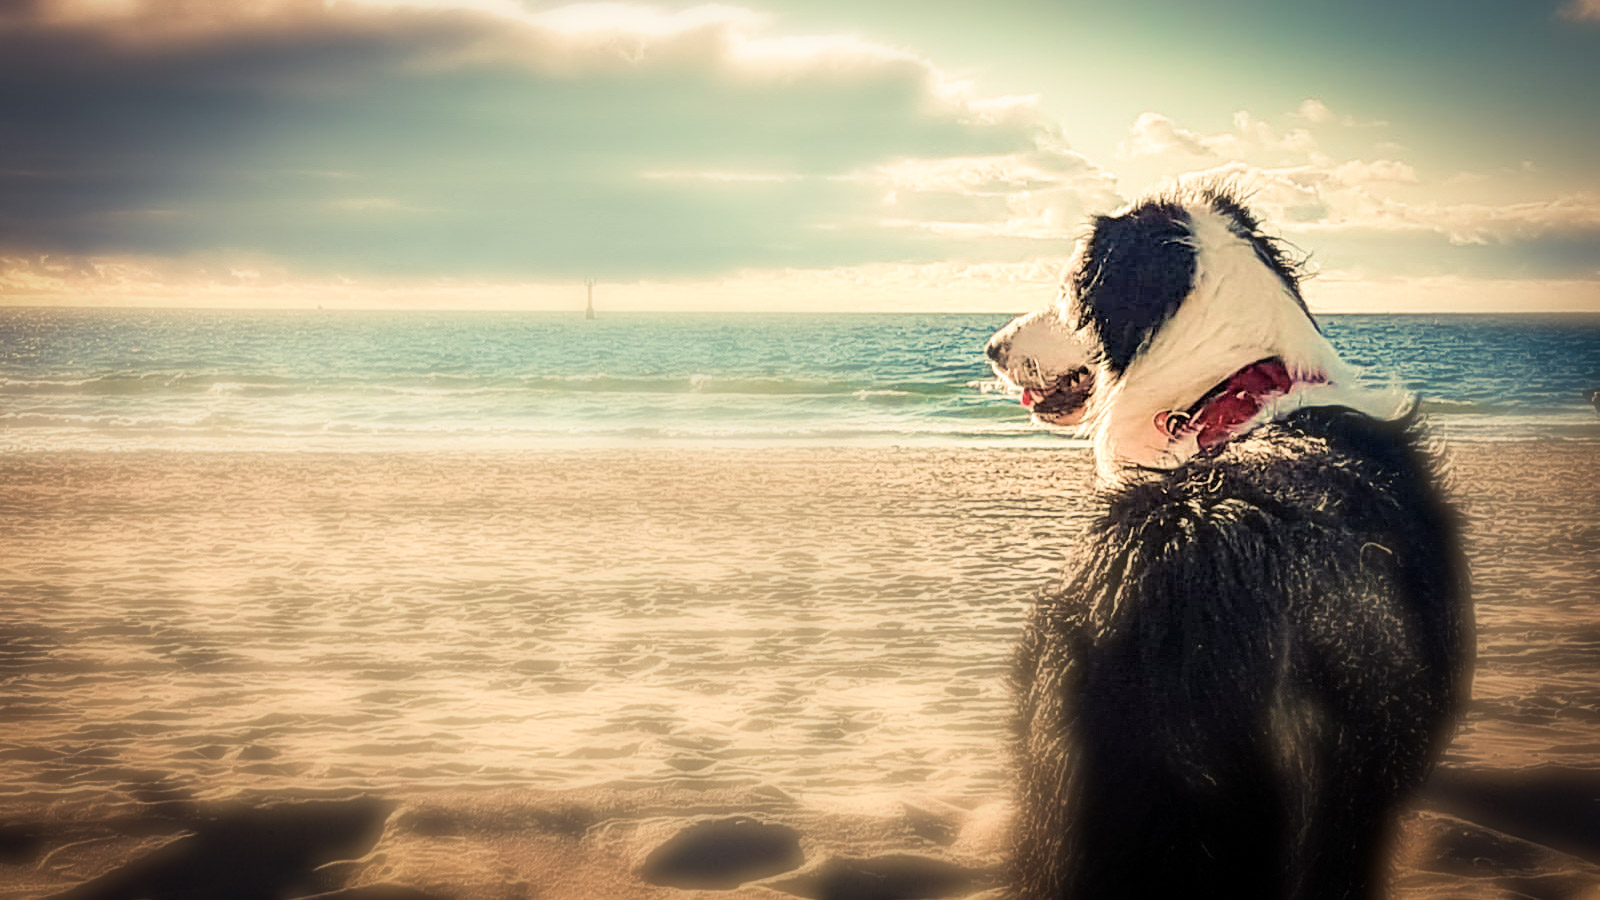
[[588, 312]]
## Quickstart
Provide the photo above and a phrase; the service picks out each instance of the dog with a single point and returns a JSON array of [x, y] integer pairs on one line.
[[1257, 651]]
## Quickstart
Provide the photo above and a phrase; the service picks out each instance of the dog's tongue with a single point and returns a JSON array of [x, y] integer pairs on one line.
[[1027, 396]]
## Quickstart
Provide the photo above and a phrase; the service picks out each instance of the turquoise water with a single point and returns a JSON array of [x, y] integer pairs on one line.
[[89, 379]]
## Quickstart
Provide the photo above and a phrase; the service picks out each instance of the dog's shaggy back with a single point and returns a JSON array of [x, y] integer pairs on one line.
[[1252, 658]]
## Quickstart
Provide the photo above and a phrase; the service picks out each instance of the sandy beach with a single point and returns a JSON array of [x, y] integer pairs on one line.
[[763, 672]]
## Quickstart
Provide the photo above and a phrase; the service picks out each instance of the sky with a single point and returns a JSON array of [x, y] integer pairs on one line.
[[829, 155]]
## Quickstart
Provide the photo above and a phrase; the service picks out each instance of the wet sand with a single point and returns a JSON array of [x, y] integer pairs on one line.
[[644, 673]]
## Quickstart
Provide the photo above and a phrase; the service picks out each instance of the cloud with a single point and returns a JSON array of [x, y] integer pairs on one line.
[[1042, 194], [482, 140], [1381, 211], [1570, 215], [1154, 134], [1342, 213], [1252, 135], [1360, 172], [1316, 112], [1580, 11]]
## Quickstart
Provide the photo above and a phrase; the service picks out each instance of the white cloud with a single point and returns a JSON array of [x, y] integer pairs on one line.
[[1317, 112], [1479, 223], [1344, 198], [1581, 11], [1314, 111], [988, 175], [1352, 203], [1252, 136], [1043, 194], [1357, 172], [1154, 134]]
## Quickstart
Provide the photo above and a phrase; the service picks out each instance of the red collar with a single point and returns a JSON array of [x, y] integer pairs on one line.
[[1214, 418]]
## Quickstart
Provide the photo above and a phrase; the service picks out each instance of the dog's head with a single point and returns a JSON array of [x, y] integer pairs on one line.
[[1180, 326]]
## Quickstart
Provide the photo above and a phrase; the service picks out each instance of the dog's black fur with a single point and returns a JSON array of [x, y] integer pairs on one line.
[[1252, 659]]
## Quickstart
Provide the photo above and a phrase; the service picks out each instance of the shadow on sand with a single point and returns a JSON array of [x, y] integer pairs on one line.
[[1533, 834]]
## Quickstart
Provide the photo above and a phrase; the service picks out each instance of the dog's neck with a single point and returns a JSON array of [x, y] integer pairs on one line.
[[1258, 393], [1232, 407]]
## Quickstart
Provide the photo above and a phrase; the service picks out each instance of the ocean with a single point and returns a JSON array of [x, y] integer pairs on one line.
[[88, 379]]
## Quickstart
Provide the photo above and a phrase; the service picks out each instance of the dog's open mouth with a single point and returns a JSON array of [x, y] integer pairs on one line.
[[1061, 403]]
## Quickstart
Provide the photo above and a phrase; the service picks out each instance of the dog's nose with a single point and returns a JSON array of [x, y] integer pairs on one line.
[[996, 351]]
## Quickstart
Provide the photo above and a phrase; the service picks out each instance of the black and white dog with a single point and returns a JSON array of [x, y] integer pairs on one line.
[[1257, 650]]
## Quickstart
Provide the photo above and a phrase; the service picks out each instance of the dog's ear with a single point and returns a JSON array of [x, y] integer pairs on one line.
[[1132, 274]]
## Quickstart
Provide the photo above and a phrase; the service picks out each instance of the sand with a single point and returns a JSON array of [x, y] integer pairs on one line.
[[763, 672]]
